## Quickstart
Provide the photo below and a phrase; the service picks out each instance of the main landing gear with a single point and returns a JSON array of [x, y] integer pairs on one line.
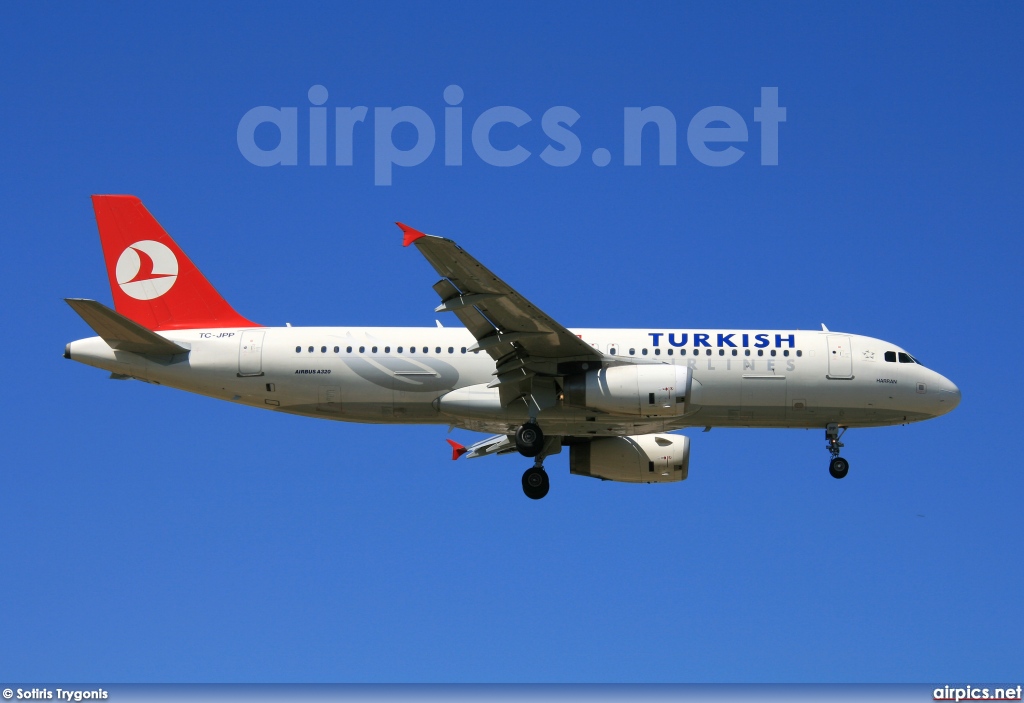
[[839, 466], [530, 443], [529, 439], [535, 482]]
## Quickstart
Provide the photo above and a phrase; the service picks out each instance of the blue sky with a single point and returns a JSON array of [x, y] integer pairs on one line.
[[154, 536]]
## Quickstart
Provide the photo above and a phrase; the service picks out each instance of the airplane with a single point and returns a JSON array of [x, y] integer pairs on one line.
[[613, 397]]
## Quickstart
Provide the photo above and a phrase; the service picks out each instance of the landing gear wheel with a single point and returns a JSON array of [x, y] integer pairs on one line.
[[535, 483], [529, 439], [838, 467]]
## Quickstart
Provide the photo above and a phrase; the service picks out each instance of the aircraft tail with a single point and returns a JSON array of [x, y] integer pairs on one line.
[[152, 280]]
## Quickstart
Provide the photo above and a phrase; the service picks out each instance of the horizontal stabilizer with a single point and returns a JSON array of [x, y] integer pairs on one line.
[[120, 332]]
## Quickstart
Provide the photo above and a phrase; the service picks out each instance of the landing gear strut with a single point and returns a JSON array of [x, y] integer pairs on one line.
[[529, 439], [839, 466], [530, 442]]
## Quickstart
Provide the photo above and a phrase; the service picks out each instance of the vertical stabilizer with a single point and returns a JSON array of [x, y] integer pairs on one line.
[[152, 280]]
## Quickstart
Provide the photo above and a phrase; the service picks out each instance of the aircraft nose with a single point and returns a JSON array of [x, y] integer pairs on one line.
[[948, 395]]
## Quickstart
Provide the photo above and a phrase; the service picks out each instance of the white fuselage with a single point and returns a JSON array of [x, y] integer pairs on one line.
[[401, 375]]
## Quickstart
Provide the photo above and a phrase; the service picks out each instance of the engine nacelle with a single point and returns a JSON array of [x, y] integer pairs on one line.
[[649, 458], [648, 390]]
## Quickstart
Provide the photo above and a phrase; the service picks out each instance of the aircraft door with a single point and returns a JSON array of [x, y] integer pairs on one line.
[[840, 357], [250, 353]]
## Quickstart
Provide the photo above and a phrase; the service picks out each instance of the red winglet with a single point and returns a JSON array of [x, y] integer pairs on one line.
[[411, 235], [457, 449]]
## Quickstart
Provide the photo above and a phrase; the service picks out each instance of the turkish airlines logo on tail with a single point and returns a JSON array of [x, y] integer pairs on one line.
[[146, 270]]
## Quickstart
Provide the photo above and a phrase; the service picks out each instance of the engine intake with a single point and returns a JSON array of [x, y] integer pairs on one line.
[[650, 458], [649, 390]]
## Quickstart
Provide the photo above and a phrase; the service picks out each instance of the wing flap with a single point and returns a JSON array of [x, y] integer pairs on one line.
[[478, 325]]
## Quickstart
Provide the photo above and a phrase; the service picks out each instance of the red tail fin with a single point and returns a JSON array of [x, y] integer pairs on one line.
[[152, 280]]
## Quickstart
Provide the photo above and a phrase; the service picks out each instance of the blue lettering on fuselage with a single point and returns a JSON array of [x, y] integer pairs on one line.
[[725, 339]]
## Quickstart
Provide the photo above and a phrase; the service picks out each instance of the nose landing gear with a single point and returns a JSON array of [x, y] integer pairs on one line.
[[838, 467]]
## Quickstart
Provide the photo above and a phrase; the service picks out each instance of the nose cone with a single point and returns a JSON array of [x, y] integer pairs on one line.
[[947, 395]]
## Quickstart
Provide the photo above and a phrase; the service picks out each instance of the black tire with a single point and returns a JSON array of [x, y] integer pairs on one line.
[[529, 439], [839, 467], [535, 483]]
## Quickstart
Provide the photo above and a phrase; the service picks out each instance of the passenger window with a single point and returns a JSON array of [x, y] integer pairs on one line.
[[311, 350], [323, 350], [799, 353], [437, 350], [682, 352], [399, 350], [387, 350], [362, 349], [760, 352], [905, 358], [632, 352], [612, 351], [657, 352], [463, 350], [451, 350], [337, 349], [785, 352], [644, 351], [773, 352], [709, 352], [348, 350], [890, 356], [721, 352], [298, 350], [374, 350], [669, 352], [735, 352], [746, 352]]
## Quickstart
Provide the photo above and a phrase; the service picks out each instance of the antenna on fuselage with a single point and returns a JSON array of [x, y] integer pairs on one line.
[[823, 327]]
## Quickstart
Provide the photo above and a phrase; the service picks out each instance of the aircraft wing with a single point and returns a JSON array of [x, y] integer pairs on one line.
[[502, 320], [529, 348], [498, 444]]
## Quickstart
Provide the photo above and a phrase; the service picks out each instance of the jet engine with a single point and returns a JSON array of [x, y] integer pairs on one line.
[[649, 458], [648, 390]]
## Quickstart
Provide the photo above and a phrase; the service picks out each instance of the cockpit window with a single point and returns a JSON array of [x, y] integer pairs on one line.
[[906, 358], [890, 356]]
